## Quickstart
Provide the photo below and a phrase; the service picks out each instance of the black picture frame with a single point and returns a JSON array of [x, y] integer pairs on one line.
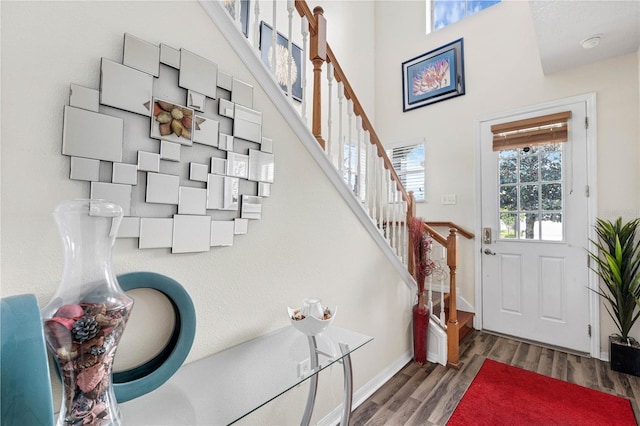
[[266, 40], [434, 76]]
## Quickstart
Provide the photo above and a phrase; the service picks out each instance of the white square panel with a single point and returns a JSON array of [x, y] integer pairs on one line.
[[85, 98], [247, 124], [85, 169], [225, 81], [192, 201], [222, 233], [242, 93], [169, 151], [148, 161], [264, 189], [248, 114], [89, 134], [198, 74], [261, 166], [155, 233], [218, 166], [225, 143], [251, 207], [129, 227], [125, 173], [241, 226], [215, 192], [125, 88], [163, 189], [205, 131], [196, 100], [266, 145], [237, 165], [231, 193], [191, 234], [225, 108], [169, 56], [114, 192], [198, 172], [141, 55]]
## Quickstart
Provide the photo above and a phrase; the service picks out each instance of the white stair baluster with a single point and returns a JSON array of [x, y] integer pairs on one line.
[[274, 41], [387, 213], [340, 129], [367, 155], [238, 12], [395, 219], [442, 316], [358, 188], [290, 9], [329, 110], [256, 25], [381, 194], [349, 133], [304, 26]]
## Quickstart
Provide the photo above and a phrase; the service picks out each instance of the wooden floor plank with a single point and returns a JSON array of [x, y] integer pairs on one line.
[[427, 395]]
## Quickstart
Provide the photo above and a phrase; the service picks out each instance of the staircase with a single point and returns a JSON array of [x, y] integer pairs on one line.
[[342, 140]]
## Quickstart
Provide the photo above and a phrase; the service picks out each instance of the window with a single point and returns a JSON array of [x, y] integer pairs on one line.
[[446, 12], [408, 161]]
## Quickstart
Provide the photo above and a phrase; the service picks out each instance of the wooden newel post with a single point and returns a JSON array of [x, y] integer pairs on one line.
[[318, 55], [453, 334]]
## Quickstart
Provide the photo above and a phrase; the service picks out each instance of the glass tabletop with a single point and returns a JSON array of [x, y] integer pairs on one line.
[[226, 386]]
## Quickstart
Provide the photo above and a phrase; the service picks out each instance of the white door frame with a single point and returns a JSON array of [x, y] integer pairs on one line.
[[592, 180]]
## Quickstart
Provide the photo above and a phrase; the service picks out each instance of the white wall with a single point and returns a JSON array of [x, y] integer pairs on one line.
[[307, 243], [503, 72]]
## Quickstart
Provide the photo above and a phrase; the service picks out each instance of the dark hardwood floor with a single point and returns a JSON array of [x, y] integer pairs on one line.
[[428, 394]]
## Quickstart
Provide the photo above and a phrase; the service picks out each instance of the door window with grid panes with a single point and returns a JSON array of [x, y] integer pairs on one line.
[[531, 193]]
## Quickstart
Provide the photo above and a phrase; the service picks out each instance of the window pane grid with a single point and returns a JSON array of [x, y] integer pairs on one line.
[[530, 201]]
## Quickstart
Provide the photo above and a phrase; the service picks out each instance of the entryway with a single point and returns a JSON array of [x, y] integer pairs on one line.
[[535, 216]]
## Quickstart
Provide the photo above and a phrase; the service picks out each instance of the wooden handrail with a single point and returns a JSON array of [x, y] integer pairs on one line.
[[468, 235], [303, 10]]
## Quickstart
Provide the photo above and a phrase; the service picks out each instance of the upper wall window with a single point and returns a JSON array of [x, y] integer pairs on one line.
[[446, 12]]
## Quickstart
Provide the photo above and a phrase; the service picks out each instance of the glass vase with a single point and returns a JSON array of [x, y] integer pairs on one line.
[[85, 319]]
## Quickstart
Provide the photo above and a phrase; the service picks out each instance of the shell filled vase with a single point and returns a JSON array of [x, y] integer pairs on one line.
[[85, 319]]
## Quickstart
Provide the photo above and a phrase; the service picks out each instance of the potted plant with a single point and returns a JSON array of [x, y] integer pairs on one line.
[[618, 266]]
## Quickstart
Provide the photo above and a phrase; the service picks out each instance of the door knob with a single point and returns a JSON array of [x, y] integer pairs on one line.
[[487, 251]]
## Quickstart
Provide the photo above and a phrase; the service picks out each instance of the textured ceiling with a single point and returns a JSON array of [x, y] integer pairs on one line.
[[561, 25]]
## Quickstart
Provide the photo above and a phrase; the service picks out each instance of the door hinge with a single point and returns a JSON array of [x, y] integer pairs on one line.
[[586, 122], [589, 330], [586, 191]]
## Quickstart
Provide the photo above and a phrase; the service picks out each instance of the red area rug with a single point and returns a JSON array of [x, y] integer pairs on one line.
[[505, 395]]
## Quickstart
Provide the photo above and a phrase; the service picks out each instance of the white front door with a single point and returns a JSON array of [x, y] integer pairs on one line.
[[535, 232]]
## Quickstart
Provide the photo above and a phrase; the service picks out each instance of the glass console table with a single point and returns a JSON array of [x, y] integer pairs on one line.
[[226, 386]]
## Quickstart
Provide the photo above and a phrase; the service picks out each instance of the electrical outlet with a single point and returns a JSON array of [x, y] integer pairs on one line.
[[449, 199], [304, 367]]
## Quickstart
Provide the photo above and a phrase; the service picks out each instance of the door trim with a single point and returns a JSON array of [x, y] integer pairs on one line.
[[592, 180]]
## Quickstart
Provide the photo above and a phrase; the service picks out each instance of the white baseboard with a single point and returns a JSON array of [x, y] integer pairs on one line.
[[361, 395]]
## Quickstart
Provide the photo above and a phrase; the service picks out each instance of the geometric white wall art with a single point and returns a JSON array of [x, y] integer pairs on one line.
[[169, 135]]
